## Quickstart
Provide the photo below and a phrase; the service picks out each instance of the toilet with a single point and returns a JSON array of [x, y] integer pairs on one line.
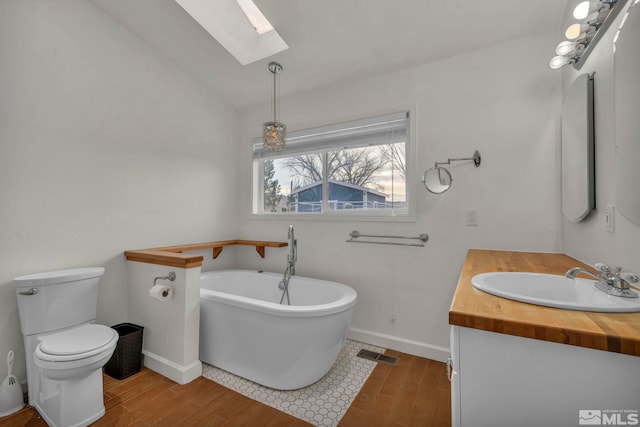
[[65, 349]]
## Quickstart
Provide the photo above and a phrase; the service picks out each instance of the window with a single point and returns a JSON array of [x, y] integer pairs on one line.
[[348, 169]]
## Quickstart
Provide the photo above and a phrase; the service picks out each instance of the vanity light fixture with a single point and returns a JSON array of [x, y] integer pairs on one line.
[[585, 8], [560, 61], [274, 132], [579, 31], [593, 17], [569, 48]]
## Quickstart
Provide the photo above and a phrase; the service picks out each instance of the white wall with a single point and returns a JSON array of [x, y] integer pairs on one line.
[[588, 240], [171, 336], [104, 146], [503, 101]]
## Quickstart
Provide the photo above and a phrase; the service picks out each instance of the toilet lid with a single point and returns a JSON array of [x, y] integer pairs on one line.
[[77, 340]]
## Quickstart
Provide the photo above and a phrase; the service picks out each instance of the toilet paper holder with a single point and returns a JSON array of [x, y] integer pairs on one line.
[[171, 277]]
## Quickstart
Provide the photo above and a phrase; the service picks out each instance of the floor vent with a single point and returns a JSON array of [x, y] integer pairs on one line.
[[378, 357]]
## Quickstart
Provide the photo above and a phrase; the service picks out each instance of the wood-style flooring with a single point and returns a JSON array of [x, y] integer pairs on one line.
[[415, 393]]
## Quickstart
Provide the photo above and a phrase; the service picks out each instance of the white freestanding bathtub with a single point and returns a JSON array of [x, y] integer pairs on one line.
[[244, 330]]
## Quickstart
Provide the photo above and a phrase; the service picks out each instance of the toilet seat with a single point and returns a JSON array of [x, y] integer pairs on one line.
[[76, 343]]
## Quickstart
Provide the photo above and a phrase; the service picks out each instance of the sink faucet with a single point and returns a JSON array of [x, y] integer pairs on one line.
[[611, 282]]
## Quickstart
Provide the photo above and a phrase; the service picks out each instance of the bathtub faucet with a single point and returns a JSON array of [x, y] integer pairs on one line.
[[292, 257]]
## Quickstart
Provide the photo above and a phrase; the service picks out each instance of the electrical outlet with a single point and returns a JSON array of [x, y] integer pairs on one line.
[[610, 218], [471, 217]]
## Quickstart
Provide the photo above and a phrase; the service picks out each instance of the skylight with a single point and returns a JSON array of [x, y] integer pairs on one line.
[[255, 17], [238, 25]]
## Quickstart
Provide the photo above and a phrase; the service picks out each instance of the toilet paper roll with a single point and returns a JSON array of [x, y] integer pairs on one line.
[[161, 292]]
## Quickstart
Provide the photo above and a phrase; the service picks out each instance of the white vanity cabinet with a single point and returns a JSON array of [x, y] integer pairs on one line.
[[503, 380]]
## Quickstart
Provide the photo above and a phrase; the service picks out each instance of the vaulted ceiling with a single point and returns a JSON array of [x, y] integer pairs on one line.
[[334, 40]]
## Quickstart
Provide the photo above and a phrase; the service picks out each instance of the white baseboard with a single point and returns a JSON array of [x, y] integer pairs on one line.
[[173, 371], [415, 348]]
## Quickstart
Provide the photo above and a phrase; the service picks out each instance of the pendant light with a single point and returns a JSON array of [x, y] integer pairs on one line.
[[274, 132]]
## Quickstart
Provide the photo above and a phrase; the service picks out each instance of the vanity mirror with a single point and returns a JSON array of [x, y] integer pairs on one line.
[[578, 178], [627, 105], [438, 179]]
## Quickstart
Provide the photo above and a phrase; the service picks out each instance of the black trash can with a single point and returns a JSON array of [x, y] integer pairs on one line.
[[127, 357]]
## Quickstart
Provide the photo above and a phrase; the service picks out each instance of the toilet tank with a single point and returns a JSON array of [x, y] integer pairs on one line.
[[57, 299]]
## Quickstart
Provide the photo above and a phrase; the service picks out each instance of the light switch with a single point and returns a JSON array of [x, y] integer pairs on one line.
[[471, 217], [610, 218]]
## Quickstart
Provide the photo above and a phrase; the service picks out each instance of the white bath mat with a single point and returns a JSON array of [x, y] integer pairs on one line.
[[321, 404]]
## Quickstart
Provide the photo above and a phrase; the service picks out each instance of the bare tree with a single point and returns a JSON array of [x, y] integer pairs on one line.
[[357, 166], [308, 167], [354, 166], [395, 154]]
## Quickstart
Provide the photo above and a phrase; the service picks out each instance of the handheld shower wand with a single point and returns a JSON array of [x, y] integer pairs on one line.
[[292, 257]]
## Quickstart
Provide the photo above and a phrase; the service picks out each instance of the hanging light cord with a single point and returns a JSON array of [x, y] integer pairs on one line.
[[275, 69], [275, 115]]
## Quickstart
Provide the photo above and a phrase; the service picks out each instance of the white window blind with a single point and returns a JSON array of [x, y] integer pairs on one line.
[[386, 129]]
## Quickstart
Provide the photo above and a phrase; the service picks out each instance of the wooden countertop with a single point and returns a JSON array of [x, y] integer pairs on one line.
[[472, 308]]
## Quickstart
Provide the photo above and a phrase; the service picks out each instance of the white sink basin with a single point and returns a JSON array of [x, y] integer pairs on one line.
[[553, 291]]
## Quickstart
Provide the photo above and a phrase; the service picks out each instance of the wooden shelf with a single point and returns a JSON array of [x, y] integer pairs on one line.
[[173, 255]]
